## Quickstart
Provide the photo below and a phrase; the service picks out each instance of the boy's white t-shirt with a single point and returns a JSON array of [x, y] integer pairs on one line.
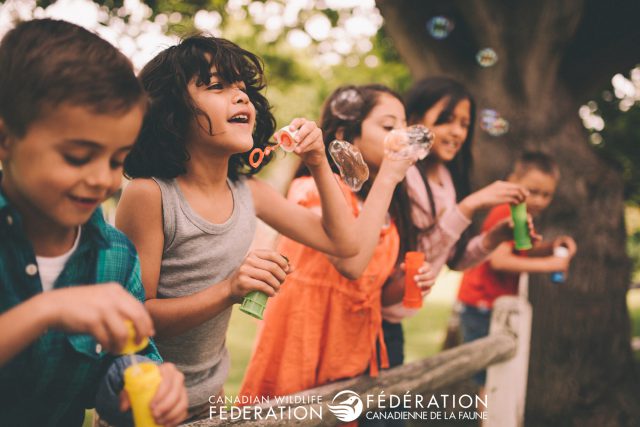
[[51, 267]]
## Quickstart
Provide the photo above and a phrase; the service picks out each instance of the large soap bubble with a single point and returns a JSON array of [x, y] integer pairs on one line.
[[347, 104], [413, 142], [353, 169]]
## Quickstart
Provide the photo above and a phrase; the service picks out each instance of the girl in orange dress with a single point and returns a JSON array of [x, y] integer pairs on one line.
[[325, 323]]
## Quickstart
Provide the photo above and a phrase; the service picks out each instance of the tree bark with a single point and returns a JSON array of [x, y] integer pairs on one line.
[[552, 56]]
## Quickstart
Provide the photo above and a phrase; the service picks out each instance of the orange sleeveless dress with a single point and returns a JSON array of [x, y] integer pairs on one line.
[[321, 327]]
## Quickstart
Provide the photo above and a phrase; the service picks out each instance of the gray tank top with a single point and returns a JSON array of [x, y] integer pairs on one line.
[[198, 254]]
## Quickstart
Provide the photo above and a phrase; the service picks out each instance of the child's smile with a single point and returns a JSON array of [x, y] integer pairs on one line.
[[66, 164], [217, 100]]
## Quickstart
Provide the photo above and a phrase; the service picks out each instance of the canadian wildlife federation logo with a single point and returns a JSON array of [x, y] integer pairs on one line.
[[346, 406]]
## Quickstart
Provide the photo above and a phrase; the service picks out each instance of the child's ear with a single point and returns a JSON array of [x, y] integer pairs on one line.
[[340, 133], [512, 177]]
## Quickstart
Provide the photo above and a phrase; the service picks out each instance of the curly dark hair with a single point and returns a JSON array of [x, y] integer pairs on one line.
[[160, 150]]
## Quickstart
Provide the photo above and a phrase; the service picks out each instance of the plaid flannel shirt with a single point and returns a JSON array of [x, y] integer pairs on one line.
[[52, 381]]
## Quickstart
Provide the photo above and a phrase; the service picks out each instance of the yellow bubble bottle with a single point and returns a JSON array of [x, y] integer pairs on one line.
[[131, 347], [141, 382]]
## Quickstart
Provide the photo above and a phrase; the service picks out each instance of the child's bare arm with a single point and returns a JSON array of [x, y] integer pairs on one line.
[[541, 249], [503, 259], [333, 232], [139, 216], [372, 218], [295, 221], [99, 310]]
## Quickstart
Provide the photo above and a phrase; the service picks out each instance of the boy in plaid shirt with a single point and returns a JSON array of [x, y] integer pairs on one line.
[[70, 110]]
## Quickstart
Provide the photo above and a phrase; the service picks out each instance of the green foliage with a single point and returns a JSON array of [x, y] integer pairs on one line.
[[296, 84], [632, 216], [621, 144]]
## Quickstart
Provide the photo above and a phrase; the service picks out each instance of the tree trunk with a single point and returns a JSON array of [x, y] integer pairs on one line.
[[553, 55]]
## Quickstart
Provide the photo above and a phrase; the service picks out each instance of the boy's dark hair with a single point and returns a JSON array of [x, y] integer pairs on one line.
[[45, 63], [160, 150], [421, 97], [350, 124], [536, 160]]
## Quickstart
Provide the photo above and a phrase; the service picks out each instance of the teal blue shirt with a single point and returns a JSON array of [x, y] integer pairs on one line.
[[52, 381]]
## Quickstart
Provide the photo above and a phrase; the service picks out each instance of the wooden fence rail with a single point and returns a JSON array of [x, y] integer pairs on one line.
[[420, 377]]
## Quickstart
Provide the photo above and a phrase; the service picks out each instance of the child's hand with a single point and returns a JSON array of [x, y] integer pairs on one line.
[[262, 270], [568, 243], [101, 311], [503, 232], [170, 403], [559, 263], [310, 146], [498, 193], [395, 169], [425, 279]]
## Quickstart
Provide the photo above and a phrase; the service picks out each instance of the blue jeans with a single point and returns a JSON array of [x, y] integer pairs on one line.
[[108, 396], [474, 322]]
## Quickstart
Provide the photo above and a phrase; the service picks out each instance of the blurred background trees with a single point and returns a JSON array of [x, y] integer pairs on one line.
[[561, 76]]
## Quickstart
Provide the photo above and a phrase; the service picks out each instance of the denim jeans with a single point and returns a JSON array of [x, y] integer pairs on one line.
[[474, 322]]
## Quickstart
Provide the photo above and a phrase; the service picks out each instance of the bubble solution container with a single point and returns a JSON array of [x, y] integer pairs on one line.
[[520, 227], [560, 252], [254, 304], [412, 294], [141, 382], [131, 347]]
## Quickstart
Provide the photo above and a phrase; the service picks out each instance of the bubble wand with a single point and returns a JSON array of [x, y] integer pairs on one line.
[[285, 139]]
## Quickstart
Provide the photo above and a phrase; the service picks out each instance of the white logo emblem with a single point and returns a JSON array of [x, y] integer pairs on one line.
[[347, 409]]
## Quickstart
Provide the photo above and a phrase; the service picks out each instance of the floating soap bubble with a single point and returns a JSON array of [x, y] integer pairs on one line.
[[492, 123], [353, 170], [413, 142], [487, 57], [499, 128], [440, 27], [347, 104]]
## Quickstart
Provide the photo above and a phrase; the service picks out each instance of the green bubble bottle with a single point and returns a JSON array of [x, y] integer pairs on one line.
[[520, 227]]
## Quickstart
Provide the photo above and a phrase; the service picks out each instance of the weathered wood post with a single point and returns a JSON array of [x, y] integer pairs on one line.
[[507, 381]]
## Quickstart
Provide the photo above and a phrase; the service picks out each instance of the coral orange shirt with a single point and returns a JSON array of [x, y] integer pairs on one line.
[[321, 326], [481, 285]]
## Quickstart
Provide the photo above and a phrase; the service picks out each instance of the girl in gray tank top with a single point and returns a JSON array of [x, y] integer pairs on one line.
[[193, 223]]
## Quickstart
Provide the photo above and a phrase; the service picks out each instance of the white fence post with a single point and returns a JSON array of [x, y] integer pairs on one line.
[[506, 386]]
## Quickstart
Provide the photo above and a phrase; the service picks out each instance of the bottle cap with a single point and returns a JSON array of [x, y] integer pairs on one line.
[[131, 347]]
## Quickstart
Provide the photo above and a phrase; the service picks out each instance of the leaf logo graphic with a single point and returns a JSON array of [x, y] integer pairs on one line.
[[348, 407]]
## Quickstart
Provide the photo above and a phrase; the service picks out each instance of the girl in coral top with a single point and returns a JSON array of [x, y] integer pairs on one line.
[[325, 323]]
